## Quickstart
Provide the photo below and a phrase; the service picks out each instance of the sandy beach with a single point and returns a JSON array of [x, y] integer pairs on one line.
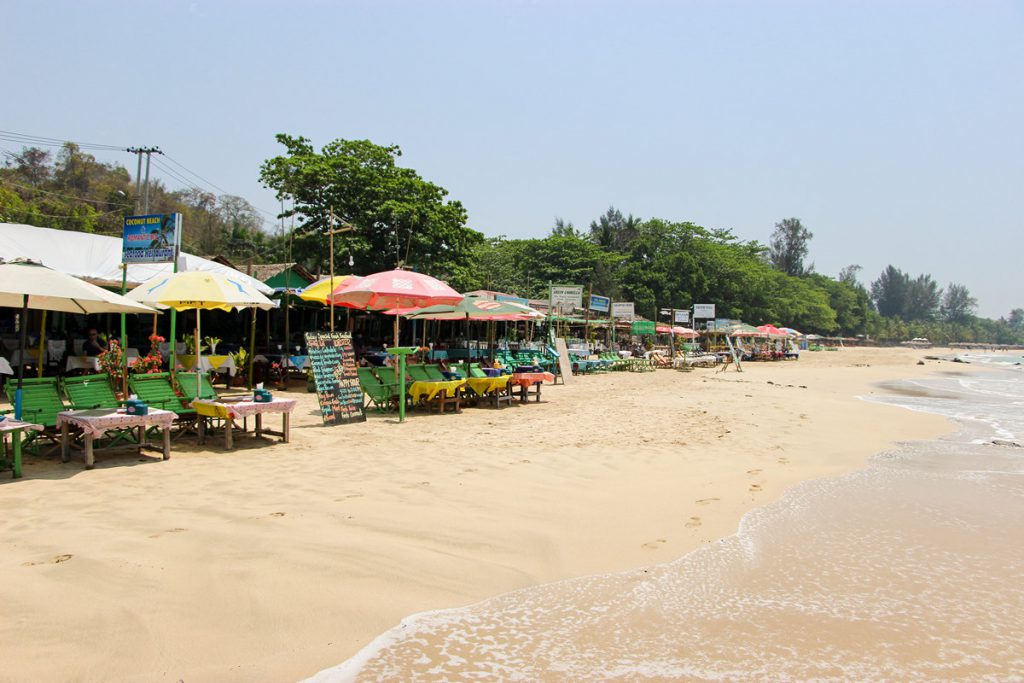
[[275, 561]]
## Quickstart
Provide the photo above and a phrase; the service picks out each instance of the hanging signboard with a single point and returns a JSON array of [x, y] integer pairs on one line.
[[682, 316], [643, 327], [602, 304], [567, 296], [150, 239], [334, 371], [703, 311], [623, 309]]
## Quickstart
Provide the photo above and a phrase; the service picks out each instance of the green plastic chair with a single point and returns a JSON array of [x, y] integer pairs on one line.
[[187, 384], [88, 392], [40, 403], [157, 391], [381, 395]]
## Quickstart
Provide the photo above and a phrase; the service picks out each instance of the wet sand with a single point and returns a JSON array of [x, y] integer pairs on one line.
[[276, 561]]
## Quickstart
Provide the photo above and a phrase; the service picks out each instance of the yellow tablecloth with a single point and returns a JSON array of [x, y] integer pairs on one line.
[[429, 390], [485, 385]]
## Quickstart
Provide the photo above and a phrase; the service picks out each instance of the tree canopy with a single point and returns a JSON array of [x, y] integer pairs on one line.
[[397, 217]]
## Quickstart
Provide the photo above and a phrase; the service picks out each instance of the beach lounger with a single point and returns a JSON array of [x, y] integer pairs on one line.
[[40, 403], [382, 395], [90, 391], [157, 391]]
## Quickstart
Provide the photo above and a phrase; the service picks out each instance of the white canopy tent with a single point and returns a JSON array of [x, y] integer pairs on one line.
[[97, 258]]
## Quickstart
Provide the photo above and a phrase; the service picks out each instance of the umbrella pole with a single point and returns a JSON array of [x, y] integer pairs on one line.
[[199, 359], [252, 343], [42, 345], [397, 378], [21, 363]]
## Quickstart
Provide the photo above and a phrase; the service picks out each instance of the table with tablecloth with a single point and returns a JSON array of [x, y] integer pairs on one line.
[[525, 380], [87, 363], [15, 429], [228, 411], [495, 388], [208, 363], [5, 367], [447, 391], [96, 423]]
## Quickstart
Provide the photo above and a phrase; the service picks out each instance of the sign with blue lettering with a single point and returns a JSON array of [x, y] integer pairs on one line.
[[600, 303], [150, 239]]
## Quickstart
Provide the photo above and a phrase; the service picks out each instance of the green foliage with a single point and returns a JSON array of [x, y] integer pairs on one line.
[[789, 246], [396, 217]]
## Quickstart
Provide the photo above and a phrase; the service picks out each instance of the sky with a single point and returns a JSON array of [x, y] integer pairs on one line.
[[893, 130]]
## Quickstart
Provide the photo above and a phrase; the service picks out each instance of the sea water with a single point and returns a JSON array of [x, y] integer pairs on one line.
[[910, 569]]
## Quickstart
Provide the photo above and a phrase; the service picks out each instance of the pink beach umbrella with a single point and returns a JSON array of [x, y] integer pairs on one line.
[[398, 289], [395, 289]]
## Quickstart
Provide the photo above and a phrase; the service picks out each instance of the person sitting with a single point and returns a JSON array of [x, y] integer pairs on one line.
[[94, 345]]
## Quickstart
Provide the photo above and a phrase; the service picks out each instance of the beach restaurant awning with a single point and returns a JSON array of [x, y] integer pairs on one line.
[[97, 258]]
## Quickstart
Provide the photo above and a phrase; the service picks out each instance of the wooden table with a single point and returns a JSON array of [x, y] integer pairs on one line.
[[231, 410], [96, 423], [525, 380], [15, 428]]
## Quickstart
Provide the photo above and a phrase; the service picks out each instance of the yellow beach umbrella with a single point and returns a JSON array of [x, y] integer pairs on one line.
[[198, 290], [320, 290]]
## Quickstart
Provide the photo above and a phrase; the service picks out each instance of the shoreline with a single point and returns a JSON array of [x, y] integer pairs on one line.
[[613, 473]]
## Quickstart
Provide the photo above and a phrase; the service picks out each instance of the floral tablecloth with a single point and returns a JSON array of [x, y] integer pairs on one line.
[[98, 422], [236, 409]]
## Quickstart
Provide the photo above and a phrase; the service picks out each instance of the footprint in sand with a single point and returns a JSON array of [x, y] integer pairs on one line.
[[278, 514], [55, 560], [416, 485], [753, 471], [706, 501], [755, 487], [693, 523], [783, 461], [348, 497], [175, 530], [653, 545]]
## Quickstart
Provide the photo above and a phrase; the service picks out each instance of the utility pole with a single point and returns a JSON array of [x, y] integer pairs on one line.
[[148, 151], [331, 232]]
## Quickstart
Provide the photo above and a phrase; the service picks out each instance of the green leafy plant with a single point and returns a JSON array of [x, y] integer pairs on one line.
[[212, 343], [190, 345]]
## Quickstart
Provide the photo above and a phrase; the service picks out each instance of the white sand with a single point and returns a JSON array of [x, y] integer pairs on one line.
[[275, 561]]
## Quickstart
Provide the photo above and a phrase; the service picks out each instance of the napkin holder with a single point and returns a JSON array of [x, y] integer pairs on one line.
[[261, 396]]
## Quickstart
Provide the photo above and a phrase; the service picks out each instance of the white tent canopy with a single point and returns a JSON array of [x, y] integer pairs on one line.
[[96, 258]]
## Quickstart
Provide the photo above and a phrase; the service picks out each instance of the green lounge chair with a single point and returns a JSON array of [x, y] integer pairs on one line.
[[382, 395], [40, 403], [88, 392], [187, 385], [157, 391]]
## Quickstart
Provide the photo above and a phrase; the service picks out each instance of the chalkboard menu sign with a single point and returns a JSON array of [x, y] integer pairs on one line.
[[337, 382]]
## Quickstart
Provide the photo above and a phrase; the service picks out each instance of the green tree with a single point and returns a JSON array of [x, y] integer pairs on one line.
[[923, 298], [889, 292], [397, 217], [789, 246], [958, 305]]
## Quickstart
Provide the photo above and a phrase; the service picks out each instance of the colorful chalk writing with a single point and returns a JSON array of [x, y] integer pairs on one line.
[[334, 371]]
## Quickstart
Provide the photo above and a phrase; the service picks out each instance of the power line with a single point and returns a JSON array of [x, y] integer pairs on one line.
[[26, 139]]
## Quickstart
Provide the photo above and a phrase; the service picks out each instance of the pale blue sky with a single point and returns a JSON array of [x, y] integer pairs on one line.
[[892, 129]]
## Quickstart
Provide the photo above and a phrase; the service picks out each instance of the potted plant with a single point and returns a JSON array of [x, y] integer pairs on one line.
[[111, 363], [212, 343], [191, 346], [147, 364], [276, 376], [241, 359]]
